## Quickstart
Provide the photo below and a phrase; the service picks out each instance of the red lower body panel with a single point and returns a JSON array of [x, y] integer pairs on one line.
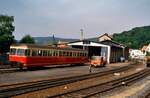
[[44, 61]]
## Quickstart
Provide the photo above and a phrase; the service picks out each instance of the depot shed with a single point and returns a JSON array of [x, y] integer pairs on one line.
[[94, 48], [110, 50], [116, 50]]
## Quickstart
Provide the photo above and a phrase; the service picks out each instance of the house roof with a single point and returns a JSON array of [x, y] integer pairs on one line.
[[144, 47], [105, 35]]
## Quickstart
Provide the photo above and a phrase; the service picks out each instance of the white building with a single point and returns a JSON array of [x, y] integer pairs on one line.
[[136, 54]]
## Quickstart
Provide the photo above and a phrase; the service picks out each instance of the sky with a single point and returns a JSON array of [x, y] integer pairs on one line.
[[65, 18]]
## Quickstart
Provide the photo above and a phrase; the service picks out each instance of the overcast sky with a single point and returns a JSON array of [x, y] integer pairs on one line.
[[65, 18]]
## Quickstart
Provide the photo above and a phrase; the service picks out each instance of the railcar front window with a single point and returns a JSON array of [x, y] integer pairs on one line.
[[13, 51], [20, 52]]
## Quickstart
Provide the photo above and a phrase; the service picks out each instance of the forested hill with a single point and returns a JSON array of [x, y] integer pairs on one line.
[[135, 38]]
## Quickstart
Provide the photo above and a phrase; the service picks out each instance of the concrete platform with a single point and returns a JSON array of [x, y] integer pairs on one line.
[[53, 73]]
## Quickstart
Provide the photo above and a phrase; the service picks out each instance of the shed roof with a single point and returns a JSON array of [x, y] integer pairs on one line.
[[112, 43], [105, 43]]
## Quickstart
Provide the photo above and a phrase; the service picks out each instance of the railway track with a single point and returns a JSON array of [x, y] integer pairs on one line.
[[21, 88], [107, 86], [17, 69], [9, 70], [147, 95]]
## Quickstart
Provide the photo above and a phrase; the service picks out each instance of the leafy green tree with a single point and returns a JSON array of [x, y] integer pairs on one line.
[[6, 30], [135, 38], [27, 39]]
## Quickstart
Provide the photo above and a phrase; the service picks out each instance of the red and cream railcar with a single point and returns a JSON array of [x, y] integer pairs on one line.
[[27, 55]]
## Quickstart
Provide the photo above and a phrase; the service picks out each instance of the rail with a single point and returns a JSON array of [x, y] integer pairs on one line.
[[17, 89], [107, 86]]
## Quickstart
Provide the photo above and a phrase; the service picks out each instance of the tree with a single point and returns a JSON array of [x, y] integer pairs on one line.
[[27, 39], [6, 30], [135, 38]]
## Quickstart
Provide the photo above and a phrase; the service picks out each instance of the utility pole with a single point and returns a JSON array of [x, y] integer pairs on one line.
[[82, 39], [54, 41], [81, 31]]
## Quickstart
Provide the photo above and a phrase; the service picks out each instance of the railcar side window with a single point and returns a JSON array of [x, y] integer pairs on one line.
[[20, 52], [60, 53], [70, 53], [74, 54], [84, 54], [27, 52], [52, 52], [44, 53], [79, 54], [56, 53], [49, 53], [12, 51], [64, 53], [34, 52], [40, 52]]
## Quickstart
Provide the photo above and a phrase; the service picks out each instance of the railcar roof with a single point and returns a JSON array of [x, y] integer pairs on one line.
[[44, 46]]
